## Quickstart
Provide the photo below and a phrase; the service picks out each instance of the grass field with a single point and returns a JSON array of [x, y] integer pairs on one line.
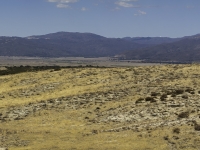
[[140, 108]]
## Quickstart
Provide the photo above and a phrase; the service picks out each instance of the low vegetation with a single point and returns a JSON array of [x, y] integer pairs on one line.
[[176, 130], [87, 107]]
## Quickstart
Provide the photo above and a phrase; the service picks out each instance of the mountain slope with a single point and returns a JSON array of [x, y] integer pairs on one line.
[[152, 40], [187, 49], [69, 44], [63, 44]]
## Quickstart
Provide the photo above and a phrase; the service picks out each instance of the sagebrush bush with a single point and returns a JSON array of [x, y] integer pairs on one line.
[[178, 92], [176, 130], [197, 127], [184, 114], [163, 97], [154, 94], [151, 99], [139, 100], [185, 96]]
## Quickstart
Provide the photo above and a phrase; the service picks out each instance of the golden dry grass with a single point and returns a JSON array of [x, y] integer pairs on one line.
[[68, 128]]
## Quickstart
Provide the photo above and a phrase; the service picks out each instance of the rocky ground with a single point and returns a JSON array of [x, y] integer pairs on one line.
[[140, 104]]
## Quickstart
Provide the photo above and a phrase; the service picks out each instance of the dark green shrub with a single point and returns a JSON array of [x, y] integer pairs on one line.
[[166, 137], [185, 96], [169, 92], [197, 127], [184, 114], [20, 69], [139, 100], [173, 95], [179, 91], [154, 94], [176, 130], [86, 117], [57, 69], [163, 97], [192, 92], [151, 99]]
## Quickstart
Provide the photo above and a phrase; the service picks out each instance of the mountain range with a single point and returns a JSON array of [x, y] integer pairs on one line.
[[186, 49], [74, 44]]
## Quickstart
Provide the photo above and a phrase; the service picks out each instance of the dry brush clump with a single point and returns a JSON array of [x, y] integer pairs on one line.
[[163, 97], [190, 90], [196, 125], [154, 94], [185, 96], [176, 130], [184, 114], [150, 99], [139, 100], [178, 91]]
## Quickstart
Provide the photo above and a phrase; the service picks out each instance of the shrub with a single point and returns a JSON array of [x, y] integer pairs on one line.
[[154, 94], [197, 127], [185, 96], [57, 69], [151, 99], [173, 95], [190, 90], [163, 97], [176, 130], [20, 69], [166, 138], [139, 100], [179, 91], [184, 114], [86, 117], [94, 131], [169, 92]]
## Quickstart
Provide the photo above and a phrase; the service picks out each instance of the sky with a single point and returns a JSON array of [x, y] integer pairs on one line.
[[109, 18]]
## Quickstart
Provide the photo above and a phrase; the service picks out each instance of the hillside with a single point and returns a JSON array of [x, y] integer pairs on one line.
[[69, 44], [152, 107], [152, 40], [64, 44], [185, 50]]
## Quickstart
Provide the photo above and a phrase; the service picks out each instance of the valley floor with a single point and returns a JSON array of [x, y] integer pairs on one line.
[[141, 107]]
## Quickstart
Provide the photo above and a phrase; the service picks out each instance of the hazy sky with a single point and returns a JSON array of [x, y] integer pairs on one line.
[[109, 18]]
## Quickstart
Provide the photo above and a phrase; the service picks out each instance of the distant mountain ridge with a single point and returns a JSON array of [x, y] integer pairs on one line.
[[74, 44], [65, 44], [68, 35], [187, 49], [152, 40]]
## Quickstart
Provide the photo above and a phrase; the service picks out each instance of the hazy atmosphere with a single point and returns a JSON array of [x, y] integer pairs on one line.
[[109, 18]]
